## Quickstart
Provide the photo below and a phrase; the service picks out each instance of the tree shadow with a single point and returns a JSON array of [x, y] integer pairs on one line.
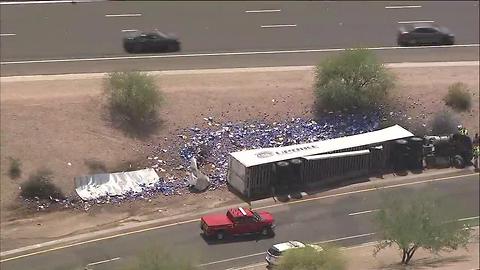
[[138, 129], [428, 263], [95, 166]]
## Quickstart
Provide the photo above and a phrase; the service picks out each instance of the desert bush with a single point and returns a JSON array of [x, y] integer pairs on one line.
[[40, 185], [160, 259], [308, 257], [134, 96], [353, 79], [15, 170], [444, 123], [458, 97]]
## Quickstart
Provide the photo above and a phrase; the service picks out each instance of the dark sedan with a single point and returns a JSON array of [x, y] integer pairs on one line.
[[156, 41], [424, 34]]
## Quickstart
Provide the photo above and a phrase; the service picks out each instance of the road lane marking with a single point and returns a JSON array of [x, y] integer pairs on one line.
[[363, 212], [124, 15], [104, 261], [367, 244], [196, 220], [262, 253], [263, 11], [79, 76], [407, 22], [129, 30], [400, 7], [278, 25], [225, 54], [7, 35], [469, 218], [49, 2]]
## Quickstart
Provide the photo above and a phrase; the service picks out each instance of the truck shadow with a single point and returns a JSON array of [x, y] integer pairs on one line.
[[235, 239]]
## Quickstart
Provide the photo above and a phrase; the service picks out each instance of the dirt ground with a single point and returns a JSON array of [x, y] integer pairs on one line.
[[62, 124]]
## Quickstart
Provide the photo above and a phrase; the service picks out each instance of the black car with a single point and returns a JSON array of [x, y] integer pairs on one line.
[[156, 41], [424, 34]]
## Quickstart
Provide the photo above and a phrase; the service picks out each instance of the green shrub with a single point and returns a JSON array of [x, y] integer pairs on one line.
[[458, 97], [444, 123], [308, 258], [353, 79], [15, 170], [133, 95], [160, 259], [40, 185]]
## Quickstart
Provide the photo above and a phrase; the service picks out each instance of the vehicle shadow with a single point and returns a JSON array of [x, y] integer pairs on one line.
[[235, 239]]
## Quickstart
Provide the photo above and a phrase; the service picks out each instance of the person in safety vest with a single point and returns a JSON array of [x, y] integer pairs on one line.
[[462, 130]]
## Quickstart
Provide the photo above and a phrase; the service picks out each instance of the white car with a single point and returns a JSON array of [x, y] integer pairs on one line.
[[275, 252]]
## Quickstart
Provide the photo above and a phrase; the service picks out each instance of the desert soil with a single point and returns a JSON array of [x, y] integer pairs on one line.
[[60, 124]]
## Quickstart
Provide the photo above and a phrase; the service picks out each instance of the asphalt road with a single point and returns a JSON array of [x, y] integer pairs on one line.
[[92, 31], [309, 221]]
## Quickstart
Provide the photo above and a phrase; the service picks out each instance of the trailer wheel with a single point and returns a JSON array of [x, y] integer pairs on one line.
[[458, 162]]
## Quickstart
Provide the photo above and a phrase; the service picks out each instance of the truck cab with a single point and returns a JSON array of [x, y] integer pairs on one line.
[[237, 221]]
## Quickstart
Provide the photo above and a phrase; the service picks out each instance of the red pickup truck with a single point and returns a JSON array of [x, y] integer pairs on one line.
[[237, 221]]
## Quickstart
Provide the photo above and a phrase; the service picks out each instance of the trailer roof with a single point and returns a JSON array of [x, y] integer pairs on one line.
[[260, 156]]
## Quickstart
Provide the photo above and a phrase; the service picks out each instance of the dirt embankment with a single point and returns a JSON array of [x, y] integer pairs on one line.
[[61, 124]]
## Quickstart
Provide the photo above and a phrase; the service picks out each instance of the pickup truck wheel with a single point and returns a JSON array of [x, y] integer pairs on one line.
[[220, 235], [266, 231]]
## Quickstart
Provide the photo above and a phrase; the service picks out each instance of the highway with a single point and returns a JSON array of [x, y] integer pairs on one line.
[[86, 37], [344, 216]]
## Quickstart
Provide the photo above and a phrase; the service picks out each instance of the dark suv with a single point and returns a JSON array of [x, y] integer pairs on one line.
[[424, 34], [156, 41]]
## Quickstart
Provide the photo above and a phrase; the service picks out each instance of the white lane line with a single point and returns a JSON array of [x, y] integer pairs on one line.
[[226, 54], [129, 30], [469, 218], [7, 35], [262, 253], [49, 2], [345, 238], [105, 261], [36, 246], [367, 244], [124, 15], [400, 7], [263, 11], [78, 76], [363, 212], [278, 25], [407, 22]]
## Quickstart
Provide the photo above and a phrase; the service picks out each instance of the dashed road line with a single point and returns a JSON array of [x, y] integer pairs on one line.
[[227, 54], [124, 15], [104, 261], [263, 11], [363, 212], [129, 30], [278, 25], [401, 7], [7, 35], [49, 2], [408, 22]]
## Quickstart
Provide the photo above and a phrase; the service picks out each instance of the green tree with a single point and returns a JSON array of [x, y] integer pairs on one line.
[[134, 95], [355, 78], [309, 258], [419, 220], [160, 259]]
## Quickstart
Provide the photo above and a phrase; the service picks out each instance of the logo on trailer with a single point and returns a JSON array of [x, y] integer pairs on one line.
[[265, 154]]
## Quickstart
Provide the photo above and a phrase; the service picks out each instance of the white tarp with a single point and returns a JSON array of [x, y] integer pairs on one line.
[[113, 184], [267, 155]]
